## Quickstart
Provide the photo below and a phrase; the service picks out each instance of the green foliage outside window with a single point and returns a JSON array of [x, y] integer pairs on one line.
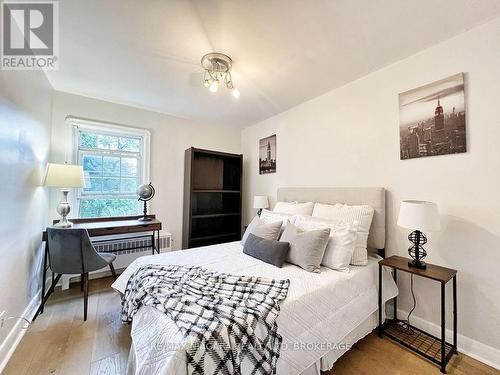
[[108, 207], [109, 142], [110, 164]]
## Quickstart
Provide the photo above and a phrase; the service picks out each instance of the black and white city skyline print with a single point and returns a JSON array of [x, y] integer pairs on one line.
[[432, 119], [267, 155]]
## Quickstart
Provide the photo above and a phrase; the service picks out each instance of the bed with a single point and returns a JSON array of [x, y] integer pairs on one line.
[[322, 316]]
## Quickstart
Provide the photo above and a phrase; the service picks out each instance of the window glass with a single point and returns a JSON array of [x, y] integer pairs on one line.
[[112, 167]]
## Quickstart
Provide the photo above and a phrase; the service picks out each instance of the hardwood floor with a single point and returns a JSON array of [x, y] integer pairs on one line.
[[375, 356], [60, 342]]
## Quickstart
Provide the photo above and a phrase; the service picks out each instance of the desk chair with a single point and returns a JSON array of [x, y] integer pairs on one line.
[[70, 251]]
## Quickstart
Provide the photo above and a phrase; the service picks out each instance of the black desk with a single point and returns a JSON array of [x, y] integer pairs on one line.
[[107, 226]]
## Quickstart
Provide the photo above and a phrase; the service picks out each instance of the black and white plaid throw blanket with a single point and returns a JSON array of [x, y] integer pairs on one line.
[[230, 321]]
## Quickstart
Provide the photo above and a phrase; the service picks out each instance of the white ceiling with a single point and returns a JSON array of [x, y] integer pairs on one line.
[[146, 53]]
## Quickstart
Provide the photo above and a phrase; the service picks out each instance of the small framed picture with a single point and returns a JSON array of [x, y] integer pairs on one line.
[[267, 155]]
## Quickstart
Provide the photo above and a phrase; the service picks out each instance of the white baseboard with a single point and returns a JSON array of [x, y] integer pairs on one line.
[[466, 345], [9, 345]]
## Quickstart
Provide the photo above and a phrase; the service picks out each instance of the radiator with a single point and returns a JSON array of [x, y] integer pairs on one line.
[[124, 258], [137, 244]]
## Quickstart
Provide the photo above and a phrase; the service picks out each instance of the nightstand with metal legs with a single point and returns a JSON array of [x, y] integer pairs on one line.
[[434, 349]]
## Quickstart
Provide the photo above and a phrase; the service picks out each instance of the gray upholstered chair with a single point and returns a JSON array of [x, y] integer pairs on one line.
[[71, 252]]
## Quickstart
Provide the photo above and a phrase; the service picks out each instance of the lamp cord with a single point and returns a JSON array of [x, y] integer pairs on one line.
[[407, 322]]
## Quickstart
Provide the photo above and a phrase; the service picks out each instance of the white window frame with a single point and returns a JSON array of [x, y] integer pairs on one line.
[[77, 124]]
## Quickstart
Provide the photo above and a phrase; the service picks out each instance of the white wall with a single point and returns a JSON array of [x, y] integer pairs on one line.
[[25, 121], [170, 136], [350, 137]]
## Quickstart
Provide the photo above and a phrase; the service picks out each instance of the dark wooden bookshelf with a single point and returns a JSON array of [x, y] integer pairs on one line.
[[215, 215], [216, 191], [214, 237], [212, 197]]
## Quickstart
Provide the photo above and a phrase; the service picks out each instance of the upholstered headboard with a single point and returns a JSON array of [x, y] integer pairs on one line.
[[372, 196]]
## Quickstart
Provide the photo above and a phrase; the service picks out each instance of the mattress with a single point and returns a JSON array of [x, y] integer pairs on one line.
[[321, 309]]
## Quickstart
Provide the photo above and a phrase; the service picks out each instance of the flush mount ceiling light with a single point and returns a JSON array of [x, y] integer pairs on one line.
[[218, 71]]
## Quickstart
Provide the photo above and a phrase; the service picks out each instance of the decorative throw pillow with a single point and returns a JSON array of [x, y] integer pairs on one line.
[[261, 229], [359, 215], [306, 247], [269, 251], [294, 208], [340, 247], [271, 217]]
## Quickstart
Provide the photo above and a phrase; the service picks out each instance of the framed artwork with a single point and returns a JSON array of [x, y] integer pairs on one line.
[[267, 155], [432, 119]]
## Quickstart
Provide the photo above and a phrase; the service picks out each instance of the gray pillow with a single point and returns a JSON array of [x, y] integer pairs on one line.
[[306, 247], [269, 251], [262, 229]]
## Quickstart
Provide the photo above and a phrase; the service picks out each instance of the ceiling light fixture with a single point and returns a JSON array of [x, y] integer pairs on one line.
[[214, 86], [218, 70]]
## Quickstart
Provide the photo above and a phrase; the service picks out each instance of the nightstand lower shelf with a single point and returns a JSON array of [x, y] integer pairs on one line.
[[421, 342], [435, 349]]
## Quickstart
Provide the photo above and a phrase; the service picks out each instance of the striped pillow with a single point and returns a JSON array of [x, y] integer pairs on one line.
[[360, 216], [294, 208], [271, 217]]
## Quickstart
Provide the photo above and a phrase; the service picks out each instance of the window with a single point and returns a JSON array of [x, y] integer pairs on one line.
[[114, 164]]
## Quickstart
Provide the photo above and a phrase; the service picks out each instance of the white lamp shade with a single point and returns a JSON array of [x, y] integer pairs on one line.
[[260, 201], [419, 215], [64, 176]]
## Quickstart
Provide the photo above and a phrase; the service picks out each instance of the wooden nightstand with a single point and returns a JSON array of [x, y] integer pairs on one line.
[[432, 348]]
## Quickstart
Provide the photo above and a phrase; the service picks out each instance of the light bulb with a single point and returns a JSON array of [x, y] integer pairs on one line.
[[214, 86], [206, 83], [236, 93]]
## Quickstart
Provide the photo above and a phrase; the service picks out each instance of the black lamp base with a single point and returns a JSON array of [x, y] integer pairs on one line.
[[417, 264], [417, 252]]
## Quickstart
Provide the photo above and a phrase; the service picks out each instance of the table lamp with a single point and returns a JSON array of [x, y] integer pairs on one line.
[[418, 216], [260, 202], [64, 176]]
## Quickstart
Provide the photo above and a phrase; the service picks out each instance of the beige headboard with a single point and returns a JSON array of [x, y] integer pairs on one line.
[[372, 196]]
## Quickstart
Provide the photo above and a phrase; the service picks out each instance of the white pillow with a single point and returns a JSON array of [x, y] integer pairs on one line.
[[268, 231], [272, 217], [294, 208], [340, 247], [359, 215]]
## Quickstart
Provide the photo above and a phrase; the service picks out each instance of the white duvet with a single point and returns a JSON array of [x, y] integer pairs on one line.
[[319, 311]]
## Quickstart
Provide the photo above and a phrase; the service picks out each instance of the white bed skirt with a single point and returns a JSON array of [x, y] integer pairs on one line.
[[327, 361]]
